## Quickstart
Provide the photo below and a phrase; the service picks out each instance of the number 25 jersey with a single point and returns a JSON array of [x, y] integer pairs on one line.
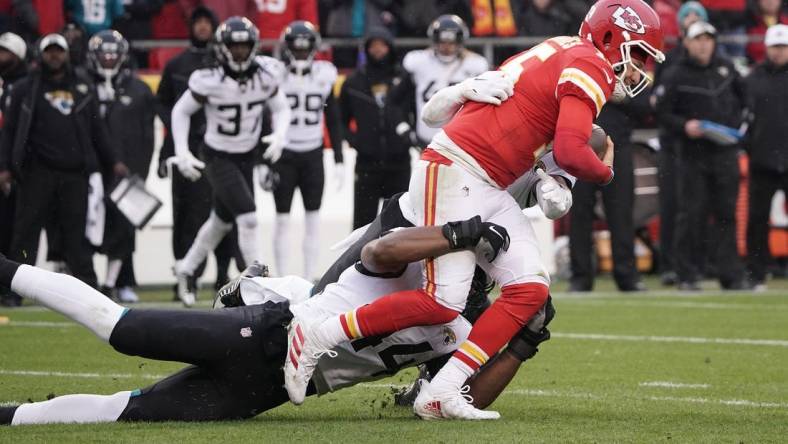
[[233, 109], [504, 140]]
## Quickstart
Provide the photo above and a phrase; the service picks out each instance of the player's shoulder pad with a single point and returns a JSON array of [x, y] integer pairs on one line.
[[274, 67], [416, 58], [475, 62], [325, 71], [588, 78], [204, 80]]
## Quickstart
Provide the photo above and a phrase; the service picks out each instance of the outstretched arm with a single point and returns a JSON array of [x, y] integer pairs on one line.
[[491, 87]]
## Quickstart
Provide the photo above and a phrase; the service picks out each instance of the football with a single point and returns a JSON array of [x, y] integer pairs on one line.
[[598, 140]]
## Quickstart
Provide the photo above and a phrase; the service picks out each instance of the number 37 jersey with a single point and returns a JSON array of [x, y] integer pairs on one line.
[[503, 140], [233, 109]]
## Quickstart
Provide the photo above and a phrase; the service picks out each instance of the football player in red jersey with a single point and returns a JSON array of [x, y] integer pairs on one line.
[[503, 122]]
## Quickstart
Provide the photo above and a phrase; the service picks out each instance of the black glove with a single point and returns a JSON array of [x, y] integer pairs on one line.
[[494, 238], [524, 344], [230, 293], [490, 238]]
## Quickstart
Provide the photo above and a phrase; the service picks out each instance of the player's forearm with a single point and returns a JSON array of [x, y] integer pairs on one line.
[[395, 250], [181, 120], [570, 147], [442, 106], [493, 378], [280, 115]]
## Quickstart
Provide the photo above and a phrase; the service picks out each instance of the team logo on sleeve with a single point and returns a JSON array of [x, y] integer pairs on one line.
[[449, 337], [628, 19]]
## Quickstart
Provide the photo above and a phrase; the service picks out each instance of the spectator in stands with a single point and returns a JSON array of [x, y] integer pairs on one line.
[[728, 17], [33, 18], [765, 14], [97, 16], [767, 93], [127, 106], [542, 18], [667, 160], [191, 201], [12, 68], [77, 40], [224, 9], [52, 137], [667, 10], [703, 87], [135, 24], [352, 18], [381, 132], [618, 118], [413, 18], [273, 16]]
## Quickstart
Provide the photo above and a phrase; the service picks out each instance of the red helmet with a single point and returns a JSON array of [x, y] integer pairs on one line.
[[622, 29]]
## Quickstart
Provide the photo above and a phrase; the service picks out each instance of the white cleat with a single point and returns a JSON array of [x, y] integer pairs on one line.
[[187, 286], [305, 346], [127, 295], [448, 405]]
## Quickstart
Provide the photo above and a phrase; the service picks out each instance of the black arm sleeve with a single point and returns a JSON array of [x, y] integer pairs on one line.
[[334, 125], [105, 150], [7, 135]]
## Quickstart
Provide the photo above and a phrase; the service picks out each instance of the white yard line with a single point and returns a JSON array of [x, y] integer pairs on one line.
[[43, 324], [695, 400], [682, 304], [685, 339], [669, 384], [80, 375]]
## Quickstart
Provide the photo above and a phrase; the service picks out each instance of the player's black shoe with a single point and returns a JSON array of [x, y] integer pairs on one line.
[[230, 294]]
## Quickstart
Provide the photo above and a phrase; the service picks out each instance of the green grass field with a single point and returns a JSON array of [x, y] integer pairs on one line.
[[653, 367]]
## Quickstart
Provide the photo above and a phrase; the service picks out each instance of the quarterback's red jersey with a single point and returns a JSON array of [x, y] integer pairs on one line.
[[503, 139]]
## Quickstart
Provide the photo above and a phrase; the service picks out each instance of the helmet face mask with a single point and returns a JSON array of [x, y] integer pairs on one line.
[[233, 31], [298, 45], [619, 29], [447, 29], [108, 51]]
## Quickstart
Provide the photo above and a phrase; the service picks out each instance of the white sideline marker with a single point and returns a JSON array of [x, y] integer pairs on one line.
[[668, 384], [685, 339]]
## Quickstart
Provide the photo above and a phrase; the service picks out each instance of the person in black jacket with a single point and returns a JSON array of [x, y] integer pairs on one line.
[[767, 94], [191, 201], [618, 119], [382, 133], [52, 139], [127, 105], [703, 86]]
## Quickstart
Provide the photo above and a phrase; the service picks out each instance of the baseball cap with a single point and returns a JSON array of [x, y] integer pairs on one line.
[[697, 29], [53, 39], [14, 44], [776, 35]]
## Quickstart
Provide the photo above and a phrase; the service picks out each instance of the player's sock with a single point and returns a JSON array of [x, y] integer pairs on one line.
[[73, 409], [113, 271], [311, 244], [8, 269], [211, 233], [282, 243], [494, 328], [248, 237], [7, 414], [386, 315], [69, 296]]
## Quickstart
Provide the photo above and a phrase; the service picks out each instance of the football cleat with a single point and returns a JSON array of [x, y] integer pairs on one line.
[[305, 347], [127, 295], [186, 285], [449, 405], [230, 293]]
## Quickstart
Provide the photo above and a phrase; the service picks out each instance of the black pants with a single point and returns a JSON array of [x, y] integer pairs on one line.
[[49, 192], [763, 185], [374, 183], [191, 206], [231, 179], [7, 208], [618, 199], [708, 182], [666, 165], [302, 170], [236, 356]]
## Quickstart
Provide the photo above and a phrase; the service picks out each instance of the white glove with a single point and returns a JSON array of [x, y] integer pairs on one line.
[[266, 177], [554, 199], [275, 146], [189, 166], [489, 87], [339, 176]]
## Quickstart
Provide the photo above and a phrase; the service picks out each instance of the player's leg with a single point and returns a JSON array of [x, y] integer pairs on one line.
[[68, 409], [524, 289], [287, 168], [311, 182]]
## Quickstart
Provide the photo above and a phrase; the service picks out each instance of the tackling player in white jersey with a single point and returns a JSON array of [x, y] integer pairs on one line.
[[443, 64], [234, 95], [308, 86]]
